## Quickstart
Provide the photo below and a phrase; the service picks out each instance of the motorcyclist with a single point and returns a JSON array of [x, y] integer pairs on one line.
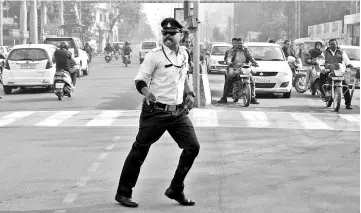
[[116, 48], [234, 45], [333, 56], [235, 59], [312, 56], [126, 50], [88, 49], [287, 49], [63, 60], [108, 49]]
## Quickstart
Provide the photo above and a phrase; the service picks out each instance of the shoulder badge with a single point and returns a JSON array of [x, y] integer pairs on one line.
[[168, 24]]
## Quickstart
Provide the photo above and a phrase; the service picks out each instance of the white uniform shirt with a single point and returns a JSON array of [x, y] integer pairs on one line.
[[167, 84]]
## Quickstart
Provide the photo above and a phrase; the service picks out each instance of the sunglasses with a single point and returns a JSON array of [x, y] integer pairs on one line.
[[171, 33]]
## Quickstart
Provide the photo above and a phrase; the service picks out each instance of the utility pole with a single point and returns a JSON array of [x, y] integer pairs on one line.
[[186, 9], [1, 22], [33, 22], [196, 56], [206, 26], [61, 17], [44, 20], [23, 22], [297, 19]]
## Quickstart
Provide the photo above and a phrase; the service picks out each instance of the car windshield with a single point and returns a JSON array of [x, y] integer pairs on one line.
[[56, 42], [353, 54], [149, 45], [32, 54], [269, 53], [220, 50]]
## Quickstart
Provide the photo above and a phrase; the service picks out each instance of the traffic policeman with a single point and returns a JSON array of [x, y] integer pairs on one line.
[[167, 99]]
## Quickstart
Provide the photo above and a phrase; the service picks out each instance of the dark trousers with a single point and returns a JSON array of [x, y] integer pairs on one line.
[[229, 81], [152, 125], [347, 95], [73, 77]]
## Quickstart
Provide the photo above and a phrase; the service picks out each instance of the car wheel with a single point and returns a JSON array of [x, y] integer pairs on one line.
[[86, 71], [287, 94], [7, 89]]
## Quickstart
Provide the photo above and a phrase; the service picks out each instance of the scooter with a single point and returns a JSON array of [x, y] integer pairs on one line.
[[108, 57], [126, 59], [333, 91], [242, 86], [62, 84]]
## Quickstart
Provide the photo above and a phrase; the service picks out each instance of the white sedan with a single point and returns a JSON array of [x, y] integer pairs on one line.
[[29, 65], [273, 75]]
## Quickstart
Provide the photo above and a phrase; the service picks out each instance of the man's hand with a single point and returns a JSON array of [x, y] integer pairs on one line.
[[189, 102], [150, 98]]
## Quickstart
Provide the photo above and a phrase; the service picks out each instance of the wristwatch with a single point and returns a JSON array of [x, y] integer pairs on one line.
[[191, 94]]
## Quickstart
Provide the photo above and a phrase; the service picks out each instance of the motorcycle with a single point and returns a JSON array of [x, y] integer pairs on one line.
[[62, 84], [300, 81], [116, 55], [242, 86], [126, 59], [333, 91], [2, 65], [295, 68], [108, 57]]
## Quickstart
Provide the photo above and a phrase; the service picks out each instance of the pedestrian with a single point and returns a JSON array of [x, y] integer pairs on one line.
[[162, 80]]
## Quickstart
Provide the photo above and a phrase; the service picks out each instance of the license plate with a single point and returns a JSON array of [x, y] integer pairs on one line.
[[59, 85], [243, 76], [337, 78], [262, 80], [27, 66]]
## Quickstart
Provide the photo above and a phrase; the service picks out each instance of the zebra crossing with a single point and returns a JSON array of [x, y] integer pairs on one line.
[[212, 118]]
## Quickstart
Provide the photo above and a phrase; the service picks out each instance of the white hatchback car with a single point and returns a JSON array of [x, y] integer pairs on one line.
[[146, 47], [216, 58], [273, 75], [29, 65]]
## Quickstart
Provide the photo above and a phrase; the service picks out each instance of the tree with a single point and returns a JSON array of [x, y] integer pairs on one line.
[[143, 31], [124, 12]]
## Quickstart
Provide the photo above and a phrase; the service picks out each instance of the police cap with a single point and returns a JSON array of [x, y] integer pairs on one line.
[[171, 24]]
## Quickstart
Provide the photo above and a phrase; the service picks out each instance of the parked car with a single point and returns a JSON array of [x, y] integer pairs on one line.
[[353, 53], [273, 75], [145, 47], [29, 65], [76, 48], [216, 58]]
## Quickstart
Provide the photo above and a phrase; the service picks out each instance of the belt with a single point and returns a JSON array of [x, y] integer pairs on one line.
[[166, 107]]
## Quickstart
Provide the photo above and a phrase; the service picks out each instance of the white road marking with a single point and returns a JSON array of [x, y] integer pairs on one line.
[[309, 122], [82, 181], [102, 156], [106, 118], [351, 118], [110, 147], [93, 167], [70, 197], [60, 211], [57, 118], [255, 119], [10, 118], [116, 138], [204, 117]]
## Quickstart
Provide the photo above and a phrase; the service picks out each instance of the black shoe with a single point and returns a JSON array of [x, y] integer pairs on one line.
[[179, 197], [348, 106], [222, 101], [254, 101], [126, 201]]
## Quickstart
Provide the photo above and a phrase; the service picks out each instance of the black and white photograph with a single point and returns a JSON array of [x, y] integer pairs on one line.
[[179, 106]]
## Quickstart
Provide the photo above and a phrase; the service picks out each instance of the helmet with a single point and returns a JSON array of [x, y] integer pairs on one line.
[[64, 45]]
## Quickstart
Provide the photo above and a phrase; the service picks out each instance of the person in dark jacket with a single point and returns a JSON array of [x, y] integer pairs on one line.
[[287, 49], [64, 59], [312, 56]]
